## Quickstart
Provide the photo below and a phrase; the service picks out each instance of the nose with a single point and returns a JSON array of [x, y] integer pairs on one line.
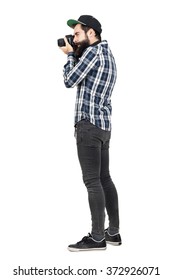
[[74, 40]]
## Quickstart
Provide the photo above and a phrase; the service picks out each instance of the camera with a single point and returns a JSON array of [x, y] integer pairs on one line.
[[61, 42]]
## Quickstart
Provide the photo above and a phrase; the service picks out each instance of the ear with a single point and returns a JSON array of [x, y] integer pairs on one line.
[[90, 32]]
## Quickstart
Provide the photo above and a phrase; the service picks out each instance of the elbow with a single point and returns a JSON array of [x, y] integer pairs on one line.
[[68, 84]]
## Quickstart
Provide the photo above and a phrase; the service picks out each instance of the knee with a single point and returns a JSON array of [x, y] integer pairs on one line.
[[106, 181], [92, 183]]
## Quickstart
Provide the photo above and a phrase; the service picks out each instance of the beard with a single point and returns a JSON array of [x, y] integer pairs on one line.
[[80, 47]]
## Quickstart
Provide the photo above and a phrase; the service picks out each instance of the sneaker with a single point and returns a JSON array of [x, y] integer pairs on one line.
[[88, 244], [114, 239]]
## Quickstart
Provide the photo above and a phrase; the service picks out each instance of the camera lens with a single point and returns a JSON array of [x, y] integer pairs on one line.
[[61, 42]]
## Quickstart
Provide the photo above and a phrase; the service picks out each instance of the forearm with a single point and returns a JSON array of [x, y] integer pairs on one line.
[[68, 67], [75, 71]]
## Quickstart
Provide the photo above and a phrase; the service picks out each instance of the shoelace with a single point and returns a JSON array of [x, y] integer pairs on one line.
[[85, 238]]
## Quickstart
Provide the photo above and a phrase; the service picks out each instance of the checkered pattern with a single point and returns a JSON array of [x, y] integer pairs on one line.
[[94, 75]]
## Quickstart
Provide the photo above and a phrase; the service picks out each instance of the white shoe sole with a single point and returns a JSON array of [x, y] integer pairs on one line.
[[88, 249], [113, 243]]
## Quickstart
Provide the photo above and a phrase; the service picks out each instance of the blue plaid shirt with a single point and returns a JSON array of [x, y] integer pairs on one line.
[[94, 75]]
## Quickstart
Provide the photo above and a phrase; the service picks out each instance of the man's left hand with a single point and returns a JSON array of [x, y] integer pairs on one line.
[[67, 48]]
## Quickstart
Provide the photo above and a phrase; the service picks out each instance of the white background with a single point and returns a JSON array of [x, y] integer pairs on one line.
[[43, 200]]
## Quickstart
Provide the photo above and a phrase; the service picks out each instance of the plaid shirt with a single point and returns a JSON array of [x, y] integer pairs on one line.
[[94, 75]]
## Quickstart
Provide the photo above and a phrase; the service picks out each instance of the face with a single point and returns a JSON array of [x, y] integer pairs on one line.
[[79, 35], [81, 40]]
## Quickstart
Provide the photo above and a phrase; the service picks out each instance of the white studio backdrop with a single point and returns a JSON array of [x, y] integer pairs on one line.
[[44, 203]]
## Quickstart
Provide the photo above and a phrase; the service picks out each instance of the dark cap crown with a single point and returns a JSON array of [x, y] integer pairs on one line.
[[92, 22], [86, 20]]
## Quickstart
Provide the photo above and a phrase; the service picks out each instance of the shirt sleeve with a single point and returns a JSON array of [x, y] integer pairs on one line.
[[74, 74]]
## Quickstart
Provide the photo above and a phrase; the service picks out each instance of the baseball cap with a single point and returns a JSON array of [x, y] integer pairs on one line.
[[87, 20]]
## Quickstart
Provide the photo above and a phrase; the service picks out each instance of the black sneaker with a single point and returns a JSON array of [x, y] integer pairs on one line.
[[113, 239], [88, 244]]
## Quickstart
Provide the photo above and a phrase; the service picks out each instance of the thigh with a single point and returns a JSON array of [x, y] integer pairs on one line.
[[88, 134], [90, 161], [89, 150]]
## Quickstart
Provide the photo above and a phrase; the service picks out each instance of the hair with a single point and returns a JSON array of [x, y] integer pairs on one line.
[[97, 34]]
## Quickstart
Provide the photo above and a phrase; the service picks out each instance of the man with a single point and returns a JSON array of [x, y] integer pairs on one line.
[[91, 67]]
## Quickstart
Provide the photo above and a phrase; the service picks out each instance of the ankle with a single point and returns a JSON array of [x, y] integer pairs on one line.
[[97, 237], [112, 231]]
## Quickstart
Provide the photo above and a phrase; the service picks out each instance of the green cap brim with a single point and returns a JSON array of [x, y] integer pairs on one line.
[[73, 22]]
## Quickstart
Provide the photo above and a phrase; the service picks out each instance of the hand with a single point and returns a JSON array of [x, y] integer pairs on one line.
[[67, 48]]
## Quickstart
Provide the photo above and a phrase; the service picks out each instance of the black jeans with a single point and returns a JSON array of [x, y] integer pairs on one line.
[[93, 153]]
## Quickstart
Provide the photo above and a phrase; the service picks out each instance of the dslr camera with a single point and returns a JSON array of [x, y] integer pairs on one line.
[[61, 42]]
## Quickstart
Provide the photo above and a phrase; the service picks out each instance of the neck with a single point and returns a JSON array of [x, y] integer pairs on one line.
[[94, 41]]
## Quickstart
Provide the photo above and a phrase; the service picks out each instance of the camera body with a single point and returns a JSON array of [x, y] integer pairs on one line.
[[61, 42]]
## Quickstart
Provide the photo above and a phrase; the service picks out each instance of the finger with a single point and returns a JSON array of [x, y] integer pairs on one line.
[[66, 41]]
